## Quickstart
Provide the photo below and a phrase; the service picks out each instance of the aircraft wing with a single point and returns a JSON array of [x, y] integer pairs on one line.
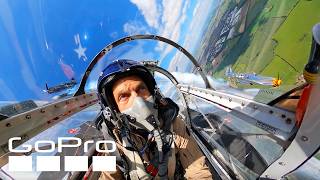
[[256, 79], [262, 81]]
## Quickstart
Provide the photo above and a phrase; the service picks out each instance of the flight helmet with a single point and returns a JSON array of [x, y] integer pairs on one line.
[[117, 70]]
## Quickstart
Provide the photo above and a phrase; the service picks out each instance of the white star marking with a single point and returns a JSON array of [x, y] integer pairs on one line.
[[80, 50]]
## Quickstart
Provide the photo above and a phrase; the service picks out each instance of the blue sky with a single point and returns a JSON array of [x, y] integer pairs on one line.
[[52, 41]]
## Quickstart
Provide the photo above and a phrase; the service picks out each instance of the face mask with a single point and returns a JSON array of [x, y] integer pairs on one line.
[[143, 113], [146, 117]]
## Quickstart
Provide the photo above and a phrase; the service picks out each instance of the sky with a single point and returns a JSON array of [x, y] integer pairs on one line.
[[53, 41]]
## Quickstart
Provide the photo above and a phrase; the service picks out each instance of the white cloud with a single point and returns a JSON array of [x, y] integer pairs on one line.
[[166, 17], [137, 52], [195, 9], [200, 13], [173, 16], [92, 85], [173, 63], [149, 10], [134, 27], [169, 17], [114, 34]]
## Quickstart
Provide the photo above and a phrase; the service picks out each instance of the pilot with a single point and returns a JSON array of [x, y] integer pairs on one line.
[[152, 139]]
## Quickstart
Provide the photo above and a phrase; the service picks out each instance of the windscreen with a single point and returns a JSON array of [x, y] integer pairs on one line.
[[47, 45], [242, 46]]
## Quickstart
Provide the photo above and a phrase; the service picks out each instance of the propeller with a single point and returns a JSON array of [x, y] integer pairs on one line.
[[276, 82]]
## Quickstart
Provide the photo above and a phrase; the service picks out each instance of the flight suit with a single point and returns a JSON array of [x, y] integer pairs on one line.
[[186, 150]]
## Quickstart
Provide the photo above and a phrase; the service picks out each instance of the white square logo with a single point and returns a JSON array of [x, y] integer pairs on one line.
[[48, 163], [20, 163], [76, 163], [104, 163]]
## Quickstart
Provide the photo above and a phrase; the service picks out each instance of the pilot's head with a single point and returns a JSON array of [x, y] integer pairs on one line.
[[122, 81]]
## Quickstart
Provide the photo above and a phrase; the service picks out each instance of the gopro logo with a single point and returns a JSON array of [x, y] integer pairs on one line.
[[71, 163]]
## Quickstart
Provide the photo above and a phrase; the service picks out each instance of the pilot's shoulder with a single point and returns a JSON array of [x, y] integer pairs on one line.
[[179, 122]]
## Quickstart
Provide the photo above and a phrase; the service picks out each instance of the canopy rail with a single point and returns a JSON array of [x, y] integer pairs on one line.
[[28, 124], [276, 121]]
